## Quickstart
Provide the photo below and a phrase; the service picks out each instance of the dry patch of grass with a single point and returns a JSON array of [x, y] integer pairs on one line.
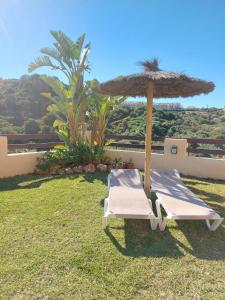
[[53, 246]]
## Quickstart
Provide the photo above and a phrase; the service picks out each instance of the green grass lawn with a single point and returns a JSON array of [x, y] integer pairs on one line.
[[52, 245]]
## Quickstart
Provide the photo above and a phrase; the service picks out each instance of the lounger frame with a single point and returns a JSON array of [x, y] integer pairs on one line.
[[162, 220], [107, 214], [212, 223]]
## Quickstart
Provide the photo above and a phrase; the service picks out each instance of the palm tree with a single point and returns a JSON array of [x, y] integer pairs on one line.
[[71, 58], [99, 114], [68, 57], [66, 106]]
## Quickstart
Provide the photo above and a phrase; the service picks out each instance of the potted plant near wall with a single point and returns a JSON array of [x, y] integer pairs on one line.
[[129, 164], [117, 163]]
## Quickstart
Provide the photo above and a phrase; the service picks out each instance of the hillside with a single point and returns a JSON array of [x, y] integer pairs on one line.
[[198, 123], [23, 110]]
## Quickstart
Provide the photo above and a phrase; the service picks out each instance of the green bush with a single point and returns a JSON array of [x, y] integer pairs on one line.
[[46, 129], [31, 126], [75, 154]]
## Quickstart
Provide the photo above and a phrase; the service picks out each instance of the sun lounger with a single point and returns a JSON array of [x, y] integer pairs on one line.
[[178, 201], [127, 198]]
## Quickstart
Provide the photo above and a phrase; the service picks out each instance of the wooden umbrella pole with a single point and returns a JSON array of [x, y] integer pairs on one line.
[[148, 138]]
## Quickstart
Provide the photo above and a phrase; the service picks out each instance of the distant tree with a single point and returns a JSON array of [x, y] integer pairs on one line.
[[6, 127], [31, 126], [46, 129], [49, 119]]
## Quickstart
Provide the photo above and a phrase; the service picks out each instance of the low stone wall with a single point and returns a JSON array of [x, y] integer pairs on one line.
[[18, 163], [193, 166], [24, 163], [186, 165]]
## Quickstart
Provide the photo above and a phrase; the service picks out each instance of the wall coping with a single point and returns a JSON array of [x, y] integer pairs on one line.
[[25, 153]]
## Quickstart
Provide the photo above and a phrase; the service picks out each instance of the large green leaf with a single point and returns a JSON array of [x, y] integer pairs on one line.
[[51, 52], [59, 123], [56, 85], [84, 65], [42, 61], [63, 136], [66, 44], [80, 41]]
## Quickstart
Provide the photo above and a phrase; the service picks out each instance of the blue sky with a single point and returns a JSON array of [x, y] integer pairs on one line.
[[187, 35]]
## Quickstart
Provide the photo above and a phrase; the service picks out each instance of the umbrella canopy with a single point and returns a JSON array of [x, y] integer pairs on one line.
[[166, 84], [154, 83]]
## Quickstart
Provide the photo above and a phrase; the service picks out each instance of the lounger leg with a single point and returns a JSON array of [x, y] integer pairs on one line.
[[215, 224], [162, 221], [105, 219], [153, 224]]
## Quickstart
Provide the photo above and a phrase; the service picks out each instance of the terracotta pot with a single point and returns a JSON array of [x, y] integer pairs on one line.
[[130, 166]]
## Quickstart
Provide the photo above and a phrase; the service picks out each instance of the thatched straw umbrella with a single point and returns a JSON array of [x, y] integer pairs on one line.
[[154, 83]]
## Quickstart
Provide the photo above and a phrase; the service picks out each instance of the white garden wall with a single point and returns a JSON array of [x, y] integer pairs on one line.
[[24, 163]]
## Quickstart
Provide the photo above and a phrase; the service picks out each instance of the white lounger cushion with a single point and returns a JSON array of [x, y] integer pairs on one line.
[[177, 200], [127, 198]]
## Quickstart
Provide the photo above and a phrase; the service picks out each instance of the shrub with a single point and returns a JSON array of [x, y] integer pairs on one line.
[[75, 154], [117, 163], [31, 126], [46, 129]]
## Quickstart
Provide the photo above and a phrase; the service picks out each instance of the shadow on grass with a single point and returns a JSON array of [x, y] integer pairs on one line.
[[204, 244], [203, 181], [91, 178], [25, 182], [101, 202], [140, 241], [35, 181]]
